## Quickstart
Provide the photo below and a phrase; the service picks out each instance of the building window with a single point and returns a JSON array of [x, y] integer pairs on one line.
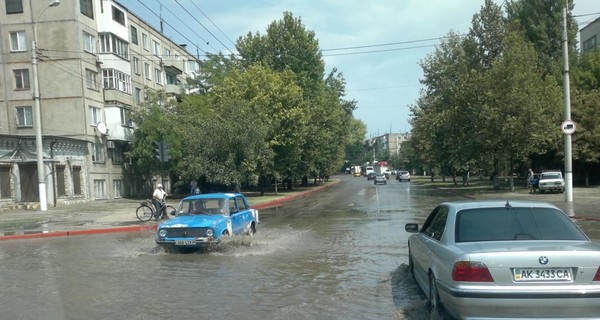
[[167, 52], [117, 187], [158, 76], [17, 41], [60, 181], [91, 79], [95, 115], [156, 48], [136, 65], [134, 36], [77, 181], [87, 8], [117, 154], [118, 15], [21, 79], [126, 117], [24, 116], [89, 42], [147, 70], [145, 41], [14, 6], [589, 44], [98, 152], [110, 43], [99, 192], [5, 182], [115, 79], [138, 96], [171, 79], [191, 66]]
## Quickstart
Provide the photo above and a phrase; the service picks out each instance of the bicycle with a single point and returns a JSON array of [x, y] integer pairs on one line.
[[145, 212]]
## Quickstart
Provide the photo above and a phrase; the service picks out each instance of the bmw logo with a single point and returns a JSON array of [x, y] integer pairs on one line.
[[543, 260]]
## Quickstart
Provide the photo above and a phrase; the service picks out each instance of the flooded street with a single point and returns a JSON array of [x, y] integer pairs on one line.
[[337, 254]]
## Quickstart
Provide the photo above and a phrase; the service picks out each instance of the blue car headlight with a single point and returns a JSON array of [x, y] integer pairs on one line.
[[162, 233], [209, 232]]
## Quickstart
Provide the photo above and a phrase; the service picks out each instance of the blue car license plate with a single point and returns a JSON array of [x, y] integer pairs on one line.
[[185, 242], [542, 274]]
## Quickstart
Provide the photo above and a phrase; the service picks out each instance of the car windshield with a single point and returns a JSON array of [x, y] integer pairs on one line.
[[551, 176], [502, 224], [202, 206]]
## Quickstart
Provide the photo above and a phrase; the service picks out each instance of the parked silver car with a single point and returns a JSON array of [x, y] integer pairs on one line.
[[500, 259]]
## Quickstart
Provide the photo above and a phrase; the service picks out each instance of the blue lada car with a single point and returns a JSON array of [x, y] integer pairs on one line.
[[202, 220]]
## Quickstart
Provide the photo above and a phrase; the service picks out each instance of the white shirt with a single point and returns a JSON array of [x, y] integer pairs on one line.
[[159, 194]]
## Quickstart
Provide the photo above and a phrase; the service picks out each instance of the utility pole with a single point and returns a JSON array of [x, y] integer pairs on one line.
[[567, 108]]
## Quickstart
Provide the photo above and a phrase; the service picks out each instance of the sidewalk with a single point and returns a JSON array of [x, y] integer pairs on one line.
[[105, 216]]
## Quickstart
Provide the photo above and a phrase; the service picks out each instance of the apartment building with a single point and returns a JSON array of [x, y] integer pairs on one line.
[[589, 36], [390, 141], [95, 60]]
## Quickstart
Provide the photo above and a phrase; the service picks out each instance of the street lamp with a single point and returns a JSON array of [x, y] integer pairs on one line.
[[38, 113]]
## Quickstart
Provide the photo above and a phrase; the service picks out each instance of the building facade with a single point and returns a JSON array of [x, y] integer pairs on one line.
[[95, 61], [389, 142], [589, 36]]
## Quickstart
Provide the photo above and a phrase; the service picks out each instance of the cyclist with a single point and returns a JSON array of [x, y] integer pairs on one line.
[[158, 199]]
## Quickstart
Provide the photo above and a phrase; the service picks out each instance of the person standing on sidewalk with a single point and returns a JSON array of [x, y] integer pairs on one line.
[[158, 199]]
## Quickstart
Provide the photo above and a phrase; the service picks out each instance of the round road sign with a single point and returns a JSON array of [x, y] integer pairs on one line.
[[567, 127]]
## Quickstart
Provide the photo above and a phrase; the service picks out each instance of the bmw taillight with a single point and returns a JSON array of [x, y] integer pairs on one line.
[[597, 276], [472, 271]]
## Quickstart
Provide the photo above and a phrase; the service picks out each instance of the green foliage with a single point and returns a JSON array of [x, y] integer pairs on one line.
[[487, 100]]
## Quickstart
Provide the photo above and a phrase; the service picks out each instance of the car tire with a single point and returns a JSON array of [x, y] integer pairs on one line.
[[252, 230], [435, 308]]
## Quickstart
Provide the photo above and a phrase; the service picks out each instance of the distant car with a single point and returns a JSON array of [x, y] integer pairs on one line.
[[403, 176], [202, 220], [502, 259], [380, 178], [371, 175], [551, 181]]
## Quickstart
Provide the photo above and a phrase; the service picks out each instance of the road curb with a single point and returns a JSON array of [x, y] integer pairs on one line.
[[143, 228]]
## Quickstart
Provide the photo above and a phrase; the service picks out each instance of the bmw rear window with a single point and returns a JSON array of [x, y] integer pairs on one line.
[[512, 224]]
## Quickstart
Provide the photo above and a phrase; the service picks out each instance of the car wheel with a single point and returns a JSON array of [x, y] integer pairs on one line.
[[436, 310], [251, 230]]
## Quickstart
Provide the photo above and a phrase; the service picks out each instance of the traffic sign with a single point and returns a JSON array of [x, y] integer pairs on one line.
[[568, 127]]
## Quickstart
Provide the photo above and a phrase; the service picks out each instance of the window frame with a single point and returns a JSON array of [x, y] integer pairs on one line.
[[13, 6], [95, 115], [20, 37], [86, 7], [91, 82], [24, 116], [158, 76], [22, 79], [89, 43], [134, 34], [118, 15]]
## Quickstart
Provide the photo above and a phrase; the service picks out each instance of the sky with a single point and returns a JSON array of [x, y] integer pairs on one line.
[[377, 45]]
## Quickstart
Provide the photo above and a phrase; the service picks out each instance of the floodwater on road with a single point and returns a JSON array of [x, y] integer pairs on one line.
[[337, 254]]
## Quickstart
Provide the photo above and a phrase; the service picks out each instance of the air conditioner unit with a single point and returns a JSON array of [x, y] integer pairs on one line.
[[110, 144]]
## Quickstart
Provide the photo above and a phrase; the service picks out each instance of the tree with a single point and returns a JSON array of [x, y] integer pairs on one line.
[[287, 45], [540, 22], [153, 122], [586, 140]]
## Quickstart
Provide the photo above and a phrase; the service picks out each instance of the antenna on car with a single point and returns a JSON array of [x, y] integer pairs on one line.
[[507, 205]]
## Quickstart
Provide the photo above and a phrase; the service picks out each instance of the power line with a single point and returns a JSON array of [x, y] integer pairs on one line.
[[376, 51], [186, 10], [206, 41], [174, 29], [223, 33], [383, 44]]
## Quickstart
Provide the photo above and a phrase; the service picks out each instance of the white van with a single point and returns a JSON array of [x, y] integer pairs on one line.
[[369, 169]]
